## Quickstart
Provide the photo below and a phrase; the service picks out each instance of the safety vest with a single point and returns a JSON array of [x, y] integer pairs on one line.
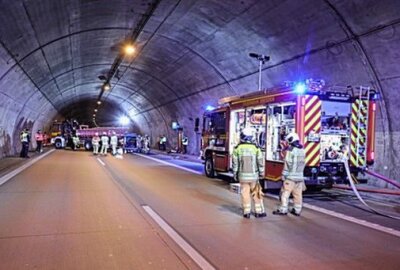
[[95, 140], [114, 140], [185, 141], [247, 162], [295, 161], [104, 139], [24, 136]]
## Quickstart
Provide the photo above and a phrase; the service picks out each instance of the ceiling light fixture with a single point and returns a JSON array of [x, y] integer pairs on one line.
[[98, 102], [106, 86], [129, 49]]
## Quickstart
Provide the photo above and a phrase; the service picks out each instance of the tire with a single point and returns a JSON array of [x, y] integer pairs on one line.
[[88, 146], [209, 168], [58, 144]]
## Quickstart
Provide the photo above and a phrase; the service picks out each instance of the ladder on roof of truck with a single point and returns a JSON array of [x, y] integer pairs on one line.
[[362, 126]]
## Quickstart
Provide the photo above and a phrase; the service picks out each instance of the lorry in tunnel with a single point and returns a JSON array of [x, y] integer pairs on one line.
[[85, 135], [331, 122]]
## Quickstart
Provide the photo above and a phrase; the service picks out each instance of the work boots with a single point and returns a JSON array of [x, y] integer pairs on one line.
[[277, 212], [260, 215], [293, 212]]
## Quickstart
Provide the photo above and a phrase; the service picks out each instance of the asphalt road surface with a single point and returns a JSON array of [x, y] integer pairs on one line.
[[71, 210]]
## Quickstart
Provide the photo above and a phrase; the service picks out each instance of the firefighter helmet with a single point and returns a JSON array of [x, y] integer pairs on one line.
[[292, 137], [246, 135]]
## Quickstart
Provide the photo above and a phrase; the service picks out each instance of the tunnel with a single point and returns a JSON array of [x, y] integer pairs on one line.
[[164, 64]]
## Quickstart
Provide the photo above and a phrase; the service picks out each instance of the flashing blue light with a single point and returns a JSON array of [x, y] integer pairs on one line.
[[300, 88], [209, 108]]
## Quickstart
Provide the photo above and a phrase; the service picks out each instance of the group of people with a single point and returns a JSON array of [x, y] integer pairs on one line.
[[25, 139], [105, 141], [248, 167], [162, 144], [143, 144]]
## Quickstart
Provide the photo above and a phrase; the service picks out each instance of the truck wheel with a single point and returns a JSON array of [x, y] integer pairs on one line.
[[88, 146], [209, 168], [58, 144]]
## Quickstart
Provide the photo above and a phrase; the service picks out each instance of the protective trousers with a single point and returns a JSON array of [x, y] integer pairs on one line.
[[246, 189], [95, 149], [114, 149], [103, 150], [294, 188]]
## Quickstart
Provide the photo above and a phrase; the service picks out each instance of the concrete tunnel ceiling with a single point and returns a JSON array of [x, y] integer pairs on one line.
[[189, 54]]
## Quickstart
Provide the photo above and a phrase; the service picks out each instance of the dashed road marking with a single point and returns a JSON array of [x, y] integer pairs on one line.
[[13, 173], [101, 162], [190, 251]]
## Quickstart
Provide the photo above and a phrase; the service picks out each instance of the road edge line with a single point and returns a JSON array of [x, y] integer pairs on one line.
[[169, 164], [13, 173]]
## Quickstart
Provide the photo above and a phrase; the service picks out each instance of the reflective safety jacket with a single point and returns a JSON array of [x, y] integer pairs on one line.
[[104, 140], [247, 162], [185, 141], [114, 140], [24, 137], [295, 160], [95, 140]]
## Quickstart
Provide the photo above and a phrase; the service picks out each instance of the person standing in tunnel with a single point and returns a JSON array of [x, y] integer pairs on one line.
[[292, 177], [114, 143], [248, 166], [104, 144], [39, 141], [95, 143], [185, 142], [163, 143], [25, 140]]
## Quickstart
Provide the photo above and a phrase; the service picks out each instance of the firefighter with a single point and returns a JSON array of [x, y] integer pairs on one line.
[[163, 143], [25, 139], [248, 166], [39, 141], [75, 141], [104, 144], [95, 143], [114, 143], [146, 144], [292, 177], [185, 142]]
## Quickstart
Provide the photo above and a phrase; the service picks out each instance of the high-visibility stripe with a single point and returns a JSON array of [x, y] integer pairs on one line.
[[312, 122], [313, 111], [315, 149]]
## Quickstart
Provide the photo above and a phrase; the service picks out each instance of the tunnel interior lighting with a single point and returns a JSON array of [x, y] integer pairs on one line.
[[300, 88], [95, 110], [129, 49], [106, 86], [94, 115], [124, 120], [209, 108], [98, 102]]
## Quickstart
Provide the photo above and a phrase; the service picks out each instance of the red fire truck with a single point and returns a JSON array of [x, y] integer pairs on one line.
[[331, 123]]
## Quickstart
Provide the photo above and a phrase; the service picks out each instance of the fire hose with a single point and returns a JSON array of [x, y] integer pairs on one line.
[[387, 180], [353, 187]]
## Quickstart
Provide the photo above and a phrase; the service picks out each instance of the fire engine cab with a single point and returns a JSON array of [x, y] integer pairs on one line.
[[332, 123]]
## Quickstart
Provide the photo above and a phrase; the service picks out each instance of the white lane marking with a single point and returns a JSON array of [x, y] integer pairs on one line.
[[200, 260], [309, 206], [13, 173], [101, 162], [170, 164], [347, 218]]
